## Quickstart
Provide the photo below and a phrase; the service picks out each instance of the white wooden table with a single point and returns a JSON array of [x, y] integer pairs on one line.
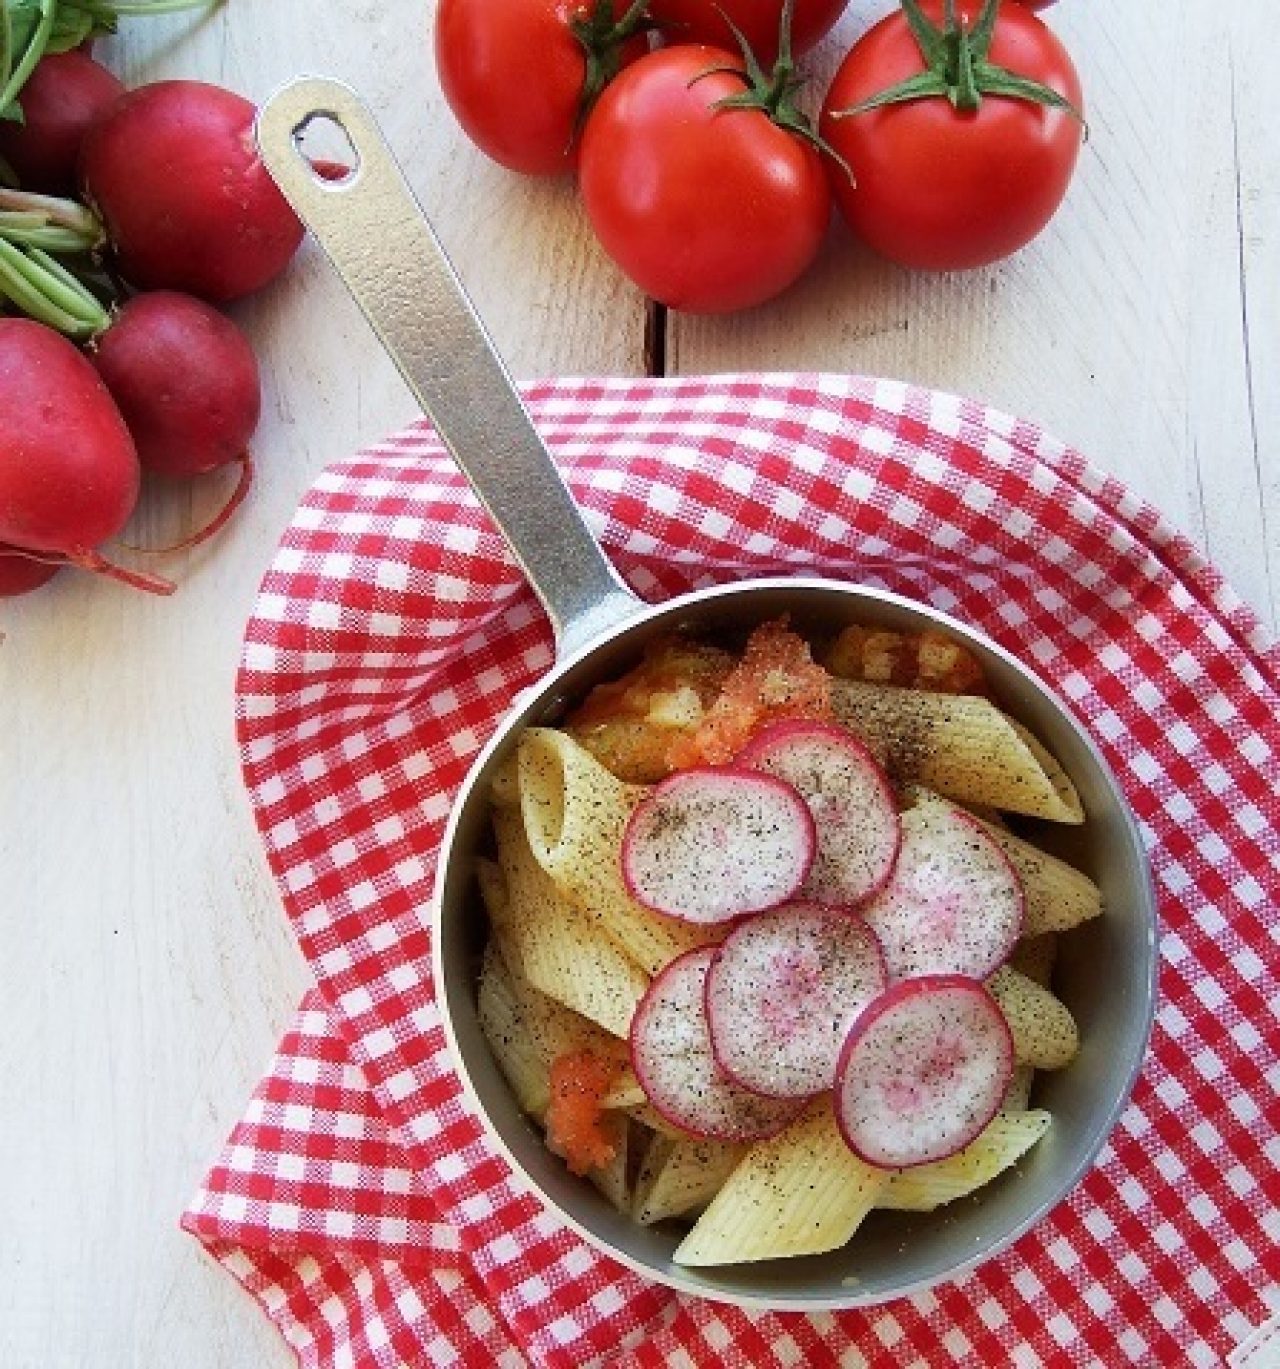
[[147, 969]]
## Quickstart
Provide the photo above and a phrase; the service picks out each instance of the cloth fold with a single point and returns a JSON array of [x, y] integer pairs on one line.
[[358, 1199]]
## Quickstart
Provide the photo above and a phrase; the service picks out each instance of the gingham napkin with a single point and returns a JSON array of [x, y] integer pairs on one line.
[[358, 1200]]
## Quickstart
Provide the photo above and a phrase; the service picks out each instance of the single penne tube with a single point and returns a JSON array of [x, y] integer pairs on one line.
[[575, 812], [611, 1179], [799, 1193], [679, 1177], [521, 1062], [1044, 1032], [504, 787], [1004, 1141], [1058, 896], [553, 944], [961, 745], [527, 1031], [657, 1150]]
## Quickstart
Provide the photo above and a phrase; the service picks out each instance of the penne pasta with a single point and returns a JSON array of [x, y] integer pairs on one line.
[[1044, 1032], [555, 946], [1058, 896], [502, 1023], [504, 788], [611, 1179], [1006, 1139], [960, 745], [527, 1030], [799, 1193], [679, 1177], [574, 814]]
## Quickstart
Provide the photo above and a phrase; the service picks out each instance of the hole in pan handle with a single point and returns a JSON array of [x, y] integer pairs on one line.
[[377, 236]]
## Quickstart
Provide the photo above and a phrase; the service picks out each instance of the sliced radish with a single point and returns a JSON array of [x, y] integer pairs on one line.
[[783, 990], [710, 844], [859, 830], [922, 1071], [672, 1058], [953, 904]]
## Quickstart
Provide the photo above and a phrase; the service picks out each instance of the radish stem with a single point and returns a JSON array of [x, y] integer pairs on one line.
[[49, 293], [35, 230], [34, 51], [216, 523], [15, 286], [58, 213], [138, 579], [99, 565]]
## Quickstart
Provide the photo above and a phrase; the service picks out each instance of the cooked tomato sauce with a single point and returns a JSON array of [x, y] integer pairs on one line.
[[776, 678], [579, 1082]]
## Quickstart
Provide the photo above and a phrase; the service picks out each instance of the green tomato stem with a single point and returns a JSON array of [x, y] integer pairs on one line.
[[956, 67], [773, 93]]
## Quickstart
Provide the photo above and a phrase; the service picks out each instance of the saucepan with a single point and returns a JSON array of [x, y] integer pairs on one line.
[[382, 246]]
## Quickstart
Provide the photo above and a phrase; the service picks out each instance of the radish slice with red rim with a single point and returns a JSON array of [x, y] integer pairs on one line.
[[672, 1058], [923, 1071], [954, 903], [859, 830], [710, 844], [782, 992]]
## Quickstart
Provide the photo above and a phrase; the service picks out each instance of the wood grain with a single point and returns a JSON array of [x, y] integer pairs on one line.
[[1137, 325], [147, 968]]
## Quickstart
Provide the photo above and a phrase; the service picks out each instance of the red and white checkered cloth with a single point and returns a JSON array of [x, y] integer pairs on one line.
[[358, 1200]]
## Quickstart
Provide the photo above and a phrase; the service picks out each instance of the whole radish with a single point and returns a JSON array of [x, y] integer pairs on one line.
[[184, 378], [69, 471], [20, 572], [66, 94], [185, 201], [182, 375]]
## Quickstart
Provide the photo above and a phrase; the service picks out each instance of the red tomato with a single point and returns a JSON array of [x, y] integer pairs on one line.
[[706, 210], [703, 21], [943, 189], [513, 72]]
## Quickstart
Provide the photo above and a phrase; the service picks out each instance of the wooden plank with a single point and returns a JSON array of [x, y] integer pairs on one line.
[[1256, 158], [1120, 329], [148, 968]]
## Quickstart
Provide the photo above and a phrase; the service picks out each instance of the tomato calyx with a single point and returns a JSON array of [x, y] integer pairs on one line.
[[957, 66], [602, 38], [773, 92]]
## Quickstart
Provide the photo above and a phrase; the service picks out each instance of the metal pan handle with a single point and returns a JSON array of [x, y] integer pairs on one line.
[[377, 236]]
